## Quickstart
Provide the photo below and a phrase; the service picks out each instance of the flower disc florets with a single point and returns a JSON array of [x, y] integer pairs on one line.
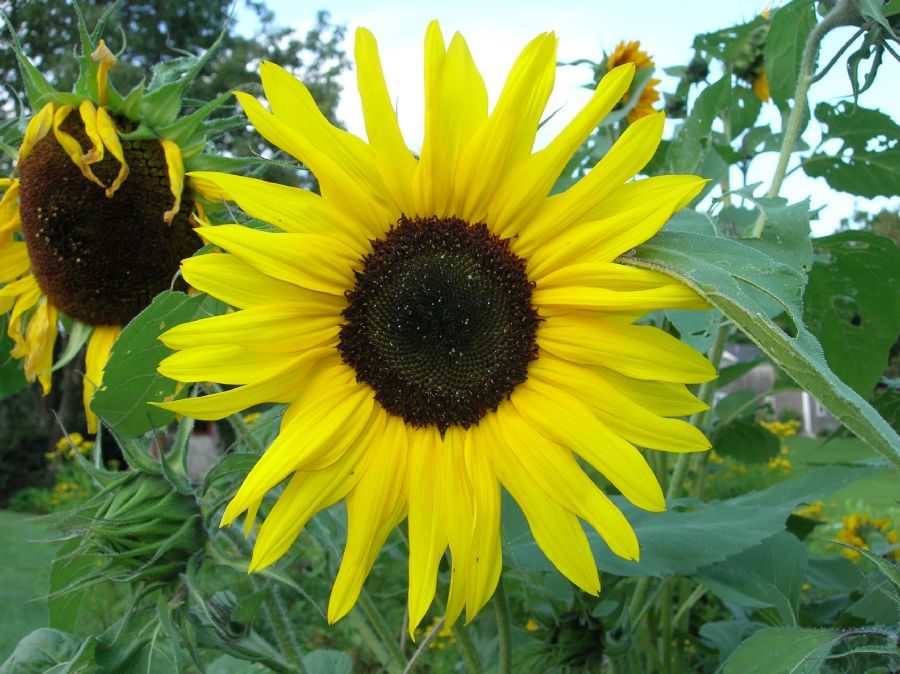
[[101, 259], [440, 322]]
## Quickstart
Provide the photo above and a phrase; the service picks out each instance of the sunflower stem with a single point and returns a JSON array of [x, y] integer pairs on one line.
[[276, 613], [840, 15], [467, 650], [666, 614], [424, 645], [504, 628]]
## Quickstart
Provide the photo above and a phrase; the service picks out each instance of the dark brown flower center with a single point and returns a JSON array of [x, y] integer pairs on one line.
[[440, 322], [101, 260]]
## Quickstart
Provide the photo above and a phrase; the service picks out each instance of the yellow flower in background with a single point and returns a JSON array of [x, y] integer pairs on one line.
[[631, 52], [93, 223], [441, 326], [860, 530]]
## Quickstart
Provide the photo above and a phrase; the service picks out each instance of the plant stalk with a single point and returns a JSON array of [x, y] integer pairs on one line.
[[504, 628]]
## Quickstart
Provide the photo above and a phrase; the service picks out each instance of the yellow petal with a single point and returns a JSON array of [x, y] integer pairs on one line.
[[638, 351], [528, 183], [457, 501], [455, 108], [427, 520], [628, 156], [38, 127], [109, 134], [624, 416], [631, 215], [556, 530], [564, 419], [288, 208], [508, 136], [374, 507], [486, 558], [279, 389], [14, 261], [70, 146], [663, 398], [95, 359], [557, 473], [279, 327], [235, 282], [309, 492], [175, 168], [10, 217], [395, 163], [89, 120], [320, 263], [40, 337], [334, 410], [222, 363]]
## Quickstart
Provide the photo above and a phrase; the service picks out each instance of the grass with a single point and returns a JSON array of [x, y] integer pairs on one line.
[[24, 576]]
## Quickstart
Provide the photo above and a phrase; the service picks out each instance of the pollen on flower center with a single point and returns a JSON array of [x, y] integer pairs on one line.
[[440, 322], [101, 259]]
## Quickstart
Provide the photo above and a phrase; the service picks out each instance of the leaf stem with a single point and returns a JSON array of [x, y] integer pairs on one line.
[[467, 650], [838, 16], [504, 628]]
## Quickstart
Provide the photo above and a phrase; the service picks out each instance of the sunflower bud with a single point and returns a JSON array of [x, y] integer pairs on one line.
[[141, 528]]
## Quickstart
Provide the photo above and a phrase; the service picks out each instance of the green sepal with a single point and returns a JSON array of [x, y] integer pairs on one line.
[[183, 130], [131, 104], [37, 88], [162, 102]]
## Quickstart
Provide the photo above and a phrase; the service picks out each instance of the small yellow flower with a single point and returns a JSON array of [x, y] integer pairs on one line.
[[631, 52], [532, 625]]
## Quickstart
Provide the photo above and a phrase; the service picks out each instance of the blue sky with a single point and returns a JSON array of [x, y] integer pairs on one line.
[[496, 32]]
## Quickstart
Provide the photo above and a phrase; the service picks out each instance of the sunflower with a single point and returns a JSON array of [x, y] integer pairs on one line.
[[441, 327], [631, 52], [94, 220]]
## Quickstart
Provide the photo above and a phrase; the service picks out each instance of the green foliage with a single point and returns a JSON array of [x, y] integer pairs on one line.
[[868, 161], [782, 650], [791, 26], [852, 304]]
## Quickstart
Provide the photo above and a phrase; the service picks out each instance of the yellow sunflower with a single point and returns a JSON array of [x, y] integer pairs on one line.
[[441, 327], [92, 223], [631, 52]]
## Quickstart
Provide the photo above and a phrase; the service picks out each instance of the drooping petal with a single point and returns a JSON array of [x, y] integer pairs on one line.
[[110, 137], [374, 507], [427, 519]]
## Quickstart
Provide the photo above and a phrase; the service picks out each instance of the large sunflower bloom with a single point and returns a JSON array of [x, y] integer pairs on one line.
[[92, 223], [440, 327], [631, 52]]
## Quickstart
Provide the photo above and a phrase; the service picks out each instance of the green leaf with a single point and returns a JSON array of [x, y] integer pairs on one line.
[[41, 651], [734, 278], [66, 570], [874, 10], [769, 574], [791, 26], [746, 441], [696, 328], [852, 304], [782, 650], [328, 662], [130, 379], [868, 162], [726, 635], [78, 337]]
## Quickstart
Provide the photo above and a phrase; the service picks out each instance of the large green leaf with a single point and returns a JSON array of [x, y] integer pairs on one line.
[[768, 575], [852, 304], [782, 650], [690, 535], [735, 278], [43, 651], [791, 26], [868, 162], [130, 379]]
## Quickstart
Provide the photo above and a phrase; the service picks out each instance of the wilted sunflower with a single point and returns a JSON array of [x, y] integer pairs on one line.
[[441, 326], [93, 223], [631, 52]]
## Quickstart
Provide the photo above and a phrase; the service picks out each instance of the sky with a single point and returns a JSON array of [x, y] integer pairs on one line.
[[496, 31]]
